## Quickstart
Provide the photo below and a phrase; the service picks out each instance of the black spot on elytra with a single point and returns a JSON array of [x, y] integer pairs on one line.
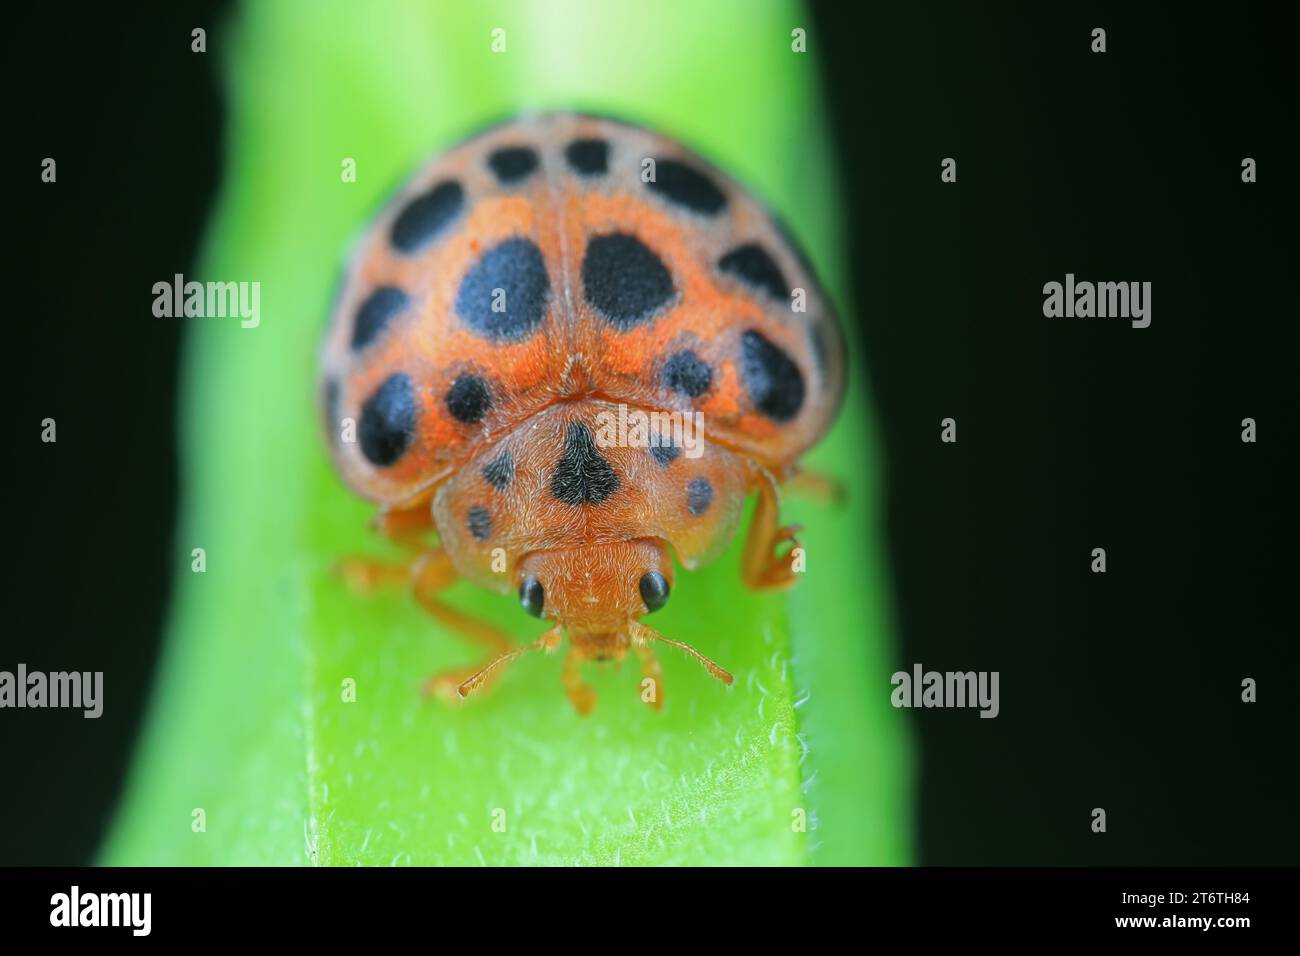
[[426, 216], [773, 381], [687, 186], [512, 277], [388, 420], [624, 280], [479, 522], [752, 265], [699, 495], [687, 373], [468, 399], [588, 157], [513, 163], [582, 476], [500, 471], [666, 453], [380, 307]]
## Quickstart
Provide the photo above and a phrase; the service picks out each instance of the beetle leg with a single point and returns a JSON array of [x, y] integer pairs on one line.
[[431, 573], [763, 566], [406, 528], [365, 575], [579, 692], [817, 486]]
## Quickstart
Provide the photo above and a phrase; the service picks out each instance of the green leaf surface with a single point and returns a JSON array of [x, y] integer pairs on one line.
[[249, 724]]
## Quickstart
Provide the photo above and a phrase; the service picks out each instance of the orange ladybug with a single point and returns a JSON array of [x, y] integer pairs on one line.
[[572, 348]]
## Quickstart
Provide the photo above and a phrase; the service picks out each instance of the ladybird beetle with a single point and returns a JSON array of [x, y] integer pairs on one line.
[[524, 297]]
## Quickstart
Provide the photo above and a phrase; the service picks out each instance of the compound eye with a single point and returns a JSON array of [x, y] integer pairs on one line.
[[654, 591], [531, 596]]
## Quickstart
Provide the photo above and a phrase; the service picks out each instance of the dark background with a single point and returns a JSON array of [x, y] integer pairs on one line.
[[1119, 690]]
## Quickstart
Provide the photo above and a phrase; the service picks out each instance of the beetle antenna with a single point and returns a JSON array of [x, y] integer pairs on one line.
[[641, 635], [547, 642]]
